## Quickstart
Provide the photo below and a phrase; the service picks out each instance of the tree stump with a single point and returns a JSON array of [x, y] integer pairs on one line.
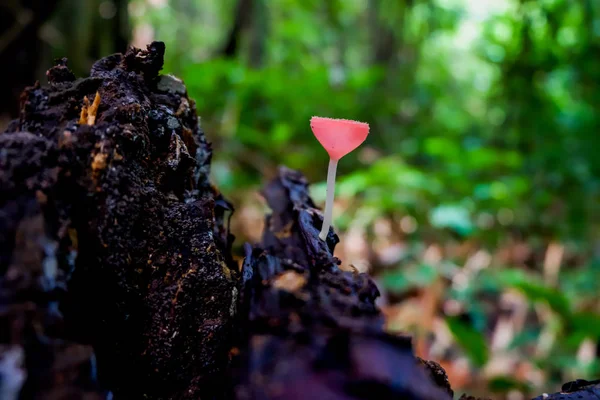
[[116, 273]]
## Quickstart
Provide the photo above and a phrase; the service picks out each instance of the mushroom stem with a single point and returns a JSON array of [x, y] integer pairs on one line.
[[329, 200]]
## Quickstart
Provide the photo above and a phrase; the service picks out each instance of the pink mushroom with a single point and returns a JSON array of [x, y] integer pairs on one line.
[[338, 137]]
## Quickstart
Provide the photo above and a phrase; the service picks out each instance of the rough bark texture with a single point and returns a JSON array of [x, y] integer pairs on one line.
[[311, 327], [575, 390], [113, 238], [116, 274]]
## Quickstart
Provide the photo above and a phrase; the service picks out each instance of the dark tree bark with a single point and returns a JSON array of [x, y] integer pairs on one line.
[[259, 33], [113, 241], [90, 30], [116, 273], [310, 327], [575, 390], [20, 47], [115, 248], [242, 15]]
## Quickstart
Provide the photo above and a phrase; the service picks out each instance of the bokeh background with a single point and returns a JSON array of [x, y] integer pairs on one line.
[[474, 201]]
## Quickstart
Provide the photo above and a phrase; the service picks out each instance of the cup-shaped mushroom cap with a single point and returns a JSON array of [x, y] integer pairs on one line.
[[339, 136]]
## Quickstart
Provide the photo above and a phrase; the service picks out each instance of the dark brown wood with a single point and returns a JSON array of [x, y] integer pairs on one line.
[[116, 273], [115, 252]]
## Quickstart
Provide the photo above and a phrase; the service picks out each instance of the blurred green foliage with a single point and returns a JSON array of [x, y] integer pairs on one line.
[[484, 127], [482, 113], [470, 339]]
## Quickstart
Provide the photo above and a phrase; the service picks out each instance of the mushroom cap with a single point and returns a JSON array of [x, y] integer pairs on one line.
[[339, 136]]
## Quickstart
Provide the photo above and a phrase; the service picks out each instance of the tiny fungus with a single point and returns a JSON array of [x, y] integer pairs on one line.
[[338, 137]]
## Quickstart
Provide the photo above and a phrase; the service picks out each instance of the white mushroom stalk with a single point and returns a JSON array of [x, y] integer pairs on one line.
[[328, 216], [338, 137]]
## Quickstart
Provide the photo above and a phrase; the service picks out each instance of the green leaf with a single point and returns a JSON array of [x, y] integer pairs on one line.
[[586, 323], [503, 384], [453, 217], [535, 290], [421, 275], [470, 340]]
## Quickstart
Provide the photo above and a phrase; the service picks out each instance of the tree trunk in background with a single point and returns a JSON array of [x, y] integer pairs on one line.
[[383, 37], [186, 14], [387, 52], [20, 49], [83, 31], [242, 16], [259, 31]]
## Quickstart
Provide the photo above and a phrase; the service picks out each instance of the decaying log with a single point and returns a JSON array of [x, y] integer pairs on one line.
[[116, 273], [113, 239], [311, 327], [579, 389]]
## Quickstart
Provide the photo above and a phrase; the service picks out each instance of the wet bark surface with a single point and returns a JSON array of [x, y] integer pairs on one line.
[[310, 326], [116, 273], [112, 238]]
